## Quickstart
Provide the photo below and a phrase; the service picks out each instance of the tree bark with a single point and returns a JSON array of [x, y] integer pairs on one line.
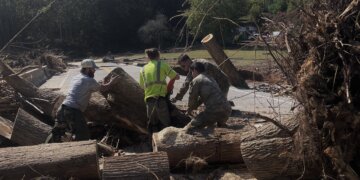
[[28, 130], [217, 145], [6, 127], [64, 160], [269, 152], [138, 166], [223, 61], [128, 98]]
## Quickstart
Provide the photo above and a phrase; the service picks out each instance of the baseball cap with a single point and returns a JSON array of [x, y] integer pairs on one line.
[[88, 63]]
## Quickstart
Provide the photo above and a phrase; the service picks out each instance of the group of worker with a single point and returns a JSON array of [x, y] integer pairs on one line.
[[206, 83]]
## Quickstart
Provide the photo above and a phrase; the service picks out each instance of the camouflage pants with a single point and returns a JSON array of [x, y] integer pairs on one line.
[[72, 120], [209, 118], [158, 114]]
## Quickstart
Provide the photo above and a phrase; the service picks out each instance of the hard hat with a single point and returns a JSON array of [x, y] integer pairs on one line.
[[88, 63]]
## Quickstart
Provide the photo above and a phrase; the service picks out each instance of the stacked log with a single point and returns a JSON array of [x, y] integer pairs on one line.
[[137, 166], [28, 130], [63, 160], [224, 63]]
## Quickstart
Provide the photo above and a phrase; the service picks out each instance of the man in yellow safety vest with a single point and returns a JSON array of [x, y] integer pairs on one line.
[[153, 81]]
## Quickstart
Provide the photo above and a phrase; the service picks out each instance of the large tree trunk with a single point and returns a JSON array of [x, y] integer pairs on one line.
[[6, 127], [127, 97], [217, 145], [269, 152], [65, 160], [129, 101], [223, 61], [28, 130], [137, 166]]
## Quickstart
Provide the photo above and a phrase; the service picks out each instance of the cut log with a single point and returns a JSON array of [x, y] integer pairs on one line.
[[219, 145], [6, 127], [269, 152], [137, 166], [28, 130], [63, 160], [223, 61]]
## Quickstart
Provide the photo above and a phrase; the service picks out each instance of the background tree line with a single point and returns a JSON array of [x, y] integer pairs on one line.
[[119, 25]]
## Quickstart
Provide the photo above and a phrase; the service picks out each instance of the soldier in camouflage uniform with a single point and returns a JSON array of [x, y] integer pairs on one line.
[[204, 89], [210, 69]]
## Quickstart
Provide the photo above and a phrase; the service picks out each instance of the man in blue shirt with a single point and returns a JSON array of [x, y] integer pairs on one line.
[[70, 115]]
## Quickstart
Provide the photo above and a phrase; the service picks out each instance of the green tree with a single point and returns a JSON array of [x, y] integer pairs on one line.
[[155, 30], [215, 16]]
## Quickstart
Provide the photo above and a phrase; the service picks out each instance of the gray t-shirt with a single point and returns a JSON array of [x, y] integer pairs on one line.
[[80, 92]]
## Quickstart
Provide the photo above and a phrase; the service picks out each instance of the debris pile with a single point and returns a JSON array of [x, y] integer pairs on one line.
[[323, 65]]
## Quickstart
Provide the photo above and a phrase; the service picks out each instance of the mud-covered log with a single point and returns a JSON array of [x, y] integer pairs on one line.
[[269, 151], [63, 160], [224, 63], [137, 166], [219, 145], [28, 130], [6, 127]]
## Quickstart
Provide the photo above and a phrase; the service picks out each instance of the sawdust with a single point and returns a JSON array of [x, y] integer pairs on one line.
[[172, 135]]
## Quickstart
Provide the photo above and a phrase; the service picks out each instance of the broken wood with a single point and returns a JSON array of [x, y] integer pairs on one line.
[[137, 166], [29, 90], [63, 160], [28, 130], [6, 127], [217, 145], [224, 62]]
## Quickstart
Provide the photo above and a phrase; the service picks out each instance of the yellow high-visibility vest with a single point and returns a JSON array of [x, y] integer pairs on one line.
[[153, 78]]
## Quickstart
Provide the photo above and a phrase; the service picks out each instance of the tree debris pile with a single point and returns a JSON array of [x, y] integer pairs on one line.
[[8, 101], [324, 66]]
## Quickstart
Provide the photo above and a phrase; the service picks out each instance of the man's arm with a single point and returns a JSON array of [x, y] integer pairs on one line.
[[105, 86], [141, 81], [194, 93], [184, 88]]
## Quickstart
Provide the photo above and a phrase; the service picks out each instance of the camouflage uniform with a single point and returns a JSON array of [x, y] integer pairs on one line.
[[204, 89], [213, 71]]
